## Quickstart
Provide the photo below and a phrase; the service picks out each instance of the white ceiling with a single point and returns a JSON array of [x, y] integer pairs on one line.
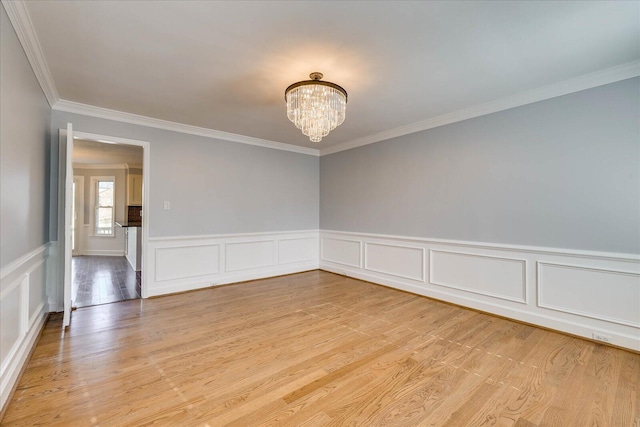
[[225, 65]]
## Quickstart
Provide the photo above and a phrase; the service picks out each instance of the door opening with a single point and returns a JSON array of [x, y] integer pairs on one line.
[[104, 226]]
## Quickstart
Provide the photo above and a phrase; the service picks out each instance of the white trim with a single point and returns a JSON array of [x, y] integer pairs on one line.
[[100, 166], [93, 198], [15, 265], [611, 256], [523, 263], [103, 252], [218, 246], [576, 84], [23, 26], [233, 277], [266, 234], [423, 267], [120, 116], [541, 264], [146, 188], [80, 229], [248, 251], [18, 355], [360, 252], [17, 281]]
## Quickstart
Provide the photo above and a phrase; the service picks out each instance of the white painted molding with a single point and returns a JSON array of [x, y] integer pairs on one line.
[[19, 354], [612, 256], [120, 116], [234, 235], [163, 257], [576, 84], [104, 252], [325, 247], [421, 267], [184, 263], [21, 21], [24, 285], [522, 298], [584, 287], [15, 265]]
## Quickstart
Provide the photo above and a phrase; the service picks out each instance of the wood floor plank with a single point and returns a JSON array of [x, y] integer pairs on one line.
[[316, 349]]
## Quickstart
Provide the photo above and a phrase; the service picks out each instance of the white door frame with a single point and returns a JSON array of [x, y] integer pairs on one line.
[[67, 170], [79, 217], [64, 226]]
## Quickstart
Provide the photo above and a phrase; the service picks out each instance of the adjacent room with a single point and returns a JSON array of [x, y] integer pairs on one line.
[[310, 213]]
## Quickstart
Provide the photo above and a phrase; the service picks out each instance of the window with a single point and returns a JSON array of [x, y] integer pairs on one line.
[[104, 189]]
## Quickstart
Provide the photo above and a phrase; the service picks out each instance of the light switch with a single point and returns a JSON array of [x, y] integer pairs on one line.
[[167, 205]]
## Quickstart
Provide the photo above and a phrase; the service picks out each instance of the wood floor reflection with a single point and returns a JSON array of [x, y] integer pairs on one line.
[[316, 349], [102, 279]]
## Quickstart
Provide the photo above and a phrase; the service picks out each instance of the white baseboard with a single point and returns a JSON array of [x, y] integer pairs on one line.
[[24, 309], [103, 252], [578, 292], [178, 264]]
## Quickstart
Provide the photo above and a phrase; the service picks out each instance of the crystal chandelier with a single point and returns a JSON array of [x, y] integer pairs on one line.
[[316, 107]]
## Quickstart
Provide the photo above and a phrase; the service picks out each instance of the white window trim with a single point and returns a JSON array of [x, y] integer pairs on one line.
[[92, 197]]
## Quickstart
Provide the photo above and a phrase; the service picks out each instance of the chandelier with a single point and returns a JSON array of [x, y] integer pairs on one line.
[[316, 107]]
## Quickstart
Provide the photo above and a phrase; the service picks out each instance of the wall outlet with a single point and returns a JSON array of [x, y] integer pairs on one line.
[[167, 205], [601, 337]]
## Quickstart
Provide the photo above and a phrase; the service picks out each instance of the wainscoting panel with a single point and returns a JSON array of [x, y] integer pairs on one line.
[[609, 295], [583, 293], [195, 262], [297, 250], [9, 313], [486, 275], [250, 255], [341, 251], [401, 261], [187, 261], [37, 290], [23, 311]]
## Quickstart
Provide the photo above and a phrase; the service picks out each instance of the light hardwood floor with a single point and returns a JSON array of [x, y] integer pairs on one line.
[[316, 349]]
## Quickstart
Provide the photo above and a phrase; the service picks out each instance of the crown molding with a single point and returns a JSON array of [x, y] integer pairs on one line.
[[576, 84], [120, 116], [23, 26]]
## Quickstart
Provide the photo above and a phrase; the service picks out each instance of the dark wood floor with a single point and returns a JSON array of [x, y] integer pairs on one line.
[[316, 349], [103, 279]]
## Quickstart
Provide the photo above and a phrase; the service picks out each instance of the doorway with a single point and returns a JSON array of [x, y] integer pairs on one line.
[[99, 212]]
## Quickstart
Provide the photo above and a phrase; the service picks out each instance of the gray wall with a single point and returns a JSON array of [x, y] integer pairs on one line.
[[562, 173], [216, 186], [24, 152]]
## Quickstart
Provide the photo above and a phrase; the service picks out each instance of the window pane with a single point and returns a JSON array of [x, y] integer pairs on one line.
[[105, 193], [104, 220]]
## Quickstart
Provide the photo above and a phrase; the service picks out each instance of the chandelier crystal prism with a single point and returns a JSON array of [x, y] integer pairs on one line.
[[316, 107]]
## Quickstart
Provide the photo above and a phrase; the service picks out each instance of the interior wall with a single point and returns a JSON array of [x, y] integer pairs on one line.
[[24, 153], [215, 186], [560, 173], [24, 224]]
